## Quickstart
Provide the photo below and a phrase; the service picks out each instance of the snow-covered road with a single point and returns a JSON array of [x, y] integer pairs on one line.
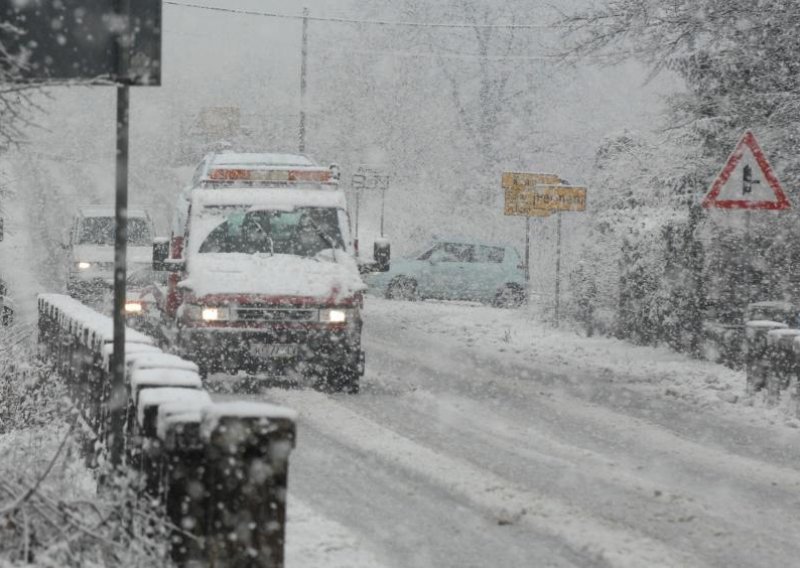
[[482, 438]]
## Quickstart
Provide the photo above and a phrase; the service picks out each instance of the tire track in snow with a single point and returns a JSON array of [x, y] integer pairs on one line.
[[627, 430], [600, 541], [747, 497], [705, 517]]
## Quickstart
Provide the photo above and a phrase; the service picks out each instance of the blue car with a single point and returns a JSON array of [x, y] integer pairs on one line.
[[456, 270]]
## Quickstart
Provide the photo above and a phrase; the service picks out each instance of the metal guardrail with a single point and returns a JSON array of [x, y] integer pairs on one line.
[[219, 469]]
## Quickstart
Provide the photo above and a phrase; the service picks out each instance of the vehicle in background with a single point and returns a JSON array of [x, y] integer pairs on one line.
[[454, 269], [264, 274], [90, 275], [144, 290]]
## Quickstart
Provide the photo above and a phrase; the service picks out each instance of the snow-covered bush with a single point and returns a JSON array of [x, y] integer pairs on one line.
[[51, 513]]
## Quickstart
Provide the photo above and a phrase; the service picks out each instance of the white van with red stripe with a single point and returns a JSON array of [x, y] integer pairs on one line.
[[263, 270]]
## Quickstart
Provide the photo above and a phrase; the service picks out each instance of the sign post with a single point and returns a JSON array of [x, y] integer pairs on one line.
[[369, 178], [748, 182], [560, 198], [520, 201], [538, 195], [557, 310], [357, 182], [99, 42]]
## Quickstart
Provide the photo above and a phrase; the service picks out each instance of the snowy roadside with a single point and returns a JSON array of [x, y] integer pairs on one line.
[[28, 453], [313, 540], [516, 337]]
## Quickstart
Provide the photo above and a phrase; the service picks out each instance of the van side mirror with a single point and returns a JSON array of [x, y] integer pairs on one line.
[[382, 253], [160, 253]]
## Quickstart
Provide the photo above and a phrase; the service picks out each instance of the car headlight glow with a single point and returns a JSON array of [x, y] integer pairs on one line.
[[82, 265], [333, 316], [215, 314], [133, 307]]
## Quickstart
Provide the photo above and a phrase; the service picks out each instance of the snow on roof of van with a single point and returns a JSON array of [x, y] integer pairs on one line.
[[109, 211], [234, 159], [271, 198]]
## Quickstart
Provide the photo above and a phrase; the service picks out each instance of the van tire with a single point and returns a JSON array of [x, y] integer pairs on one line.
[[510, 296], [402, 288]]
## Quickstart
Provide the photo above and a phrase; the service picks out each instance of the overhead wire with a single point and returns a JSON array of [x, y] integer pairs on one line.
[[461, 25]]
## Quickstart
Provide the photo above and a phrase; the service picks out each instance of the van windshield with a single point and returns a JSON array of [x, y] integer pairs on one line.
[[304, 231], [101, 231]]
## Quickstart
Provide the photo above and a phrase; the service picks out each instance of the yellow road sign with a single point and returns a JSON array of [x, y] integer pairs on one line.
[[520, 197], [521, 180], [561, 198], [538, 195], [523, 203]]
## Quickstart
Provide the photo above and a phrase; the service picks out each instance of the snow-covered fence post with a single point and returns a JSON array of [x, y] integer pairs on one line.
[[145, 429], [48, 334], [247, 458], [782, 361], [183, 466], [756, 361]]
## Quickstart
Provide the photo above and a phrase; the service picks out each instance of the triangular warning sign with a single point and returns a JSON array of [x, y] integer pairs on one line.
[[747, 181]]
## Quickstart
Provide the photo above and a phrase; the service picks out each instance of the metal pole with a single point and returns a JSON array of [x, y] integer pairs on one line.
[[383, 208], [527, 253], [558, 264], [117, 402], [303, 73], [358, 204], [748, 282]]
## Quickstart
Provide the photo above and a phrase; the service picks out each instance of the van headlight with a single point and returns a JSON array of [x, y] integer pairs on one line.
[[208, 313], [83, 265], [216, 314], [335, 316], [133, 308]]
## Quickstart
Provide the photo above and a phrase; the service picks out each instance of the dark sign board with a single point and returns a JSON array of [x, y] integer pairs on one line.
[[76, 40]]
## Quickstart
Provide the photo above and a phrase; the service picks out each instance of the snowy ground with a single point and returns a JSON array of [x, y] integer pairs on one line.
[[482, 438]]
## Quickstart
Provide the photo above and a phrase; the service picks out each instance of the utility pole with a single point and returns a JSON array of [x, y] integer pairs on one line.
[[303, 73], [117, 395], [527, 254], [558, 266]]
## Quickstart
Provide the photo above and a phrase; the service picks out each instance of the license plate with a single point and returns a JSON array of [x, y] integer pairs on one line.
[[273, 351]]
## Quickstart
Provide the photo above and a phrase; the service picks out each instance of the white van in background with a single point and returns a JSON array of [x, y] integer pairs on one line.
[[91, 271]]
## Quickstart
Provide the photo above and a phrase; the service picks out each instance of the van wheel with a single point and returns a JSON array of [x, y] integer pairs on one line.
[[402, 288], [510, 296]]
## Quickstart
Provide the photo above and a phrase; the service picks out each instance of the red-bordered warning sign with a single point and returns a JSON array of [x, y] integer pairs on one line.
[[747, 181]]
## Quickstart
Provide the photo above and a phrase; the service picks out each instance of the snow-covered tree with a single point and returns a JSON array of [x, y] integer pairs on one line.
[[738, 61]]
